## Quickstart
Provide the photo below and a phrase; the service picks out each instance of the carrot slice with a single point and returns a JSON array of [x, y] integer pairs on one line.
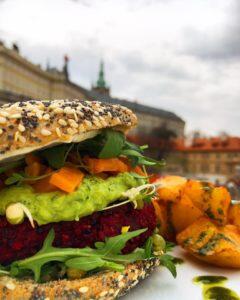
[[67, 179], [138, 170], [43, 185], [35, 169], [99, 165]]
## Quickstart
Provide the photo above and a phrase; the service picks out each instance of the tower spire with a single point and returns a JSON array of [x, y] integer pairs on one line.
[[101, 83], [101, 86]]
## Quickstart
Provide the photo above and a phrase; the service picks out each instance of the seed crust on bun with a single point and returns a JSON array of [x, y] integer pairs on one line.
[[32, 125], [106, 285]]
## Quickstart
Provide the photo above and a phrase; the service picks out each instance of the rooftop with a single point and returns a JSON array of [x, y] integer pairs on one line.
[[135, 106], [214, 144]]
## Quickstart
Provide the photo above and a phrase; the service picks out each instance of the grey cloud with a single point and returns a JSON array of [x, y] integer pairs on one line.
[[222, 44], [84, 58], [135, 62]]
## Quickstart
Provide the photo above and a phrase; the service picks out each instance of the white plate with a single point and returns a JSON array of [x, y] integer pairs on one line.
[[162, 286]]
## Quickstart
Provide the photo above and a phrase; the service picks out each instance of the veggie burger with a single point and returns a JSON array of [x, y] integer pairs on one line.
[[76, 218]]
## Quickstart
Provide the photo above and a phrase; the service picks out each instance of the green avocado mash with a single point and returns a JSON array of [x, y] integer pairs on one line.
[[94, 194]]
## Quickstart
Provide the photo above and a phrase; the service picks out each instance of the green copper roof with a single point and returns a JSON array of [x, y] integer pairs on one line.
[[101, 83]]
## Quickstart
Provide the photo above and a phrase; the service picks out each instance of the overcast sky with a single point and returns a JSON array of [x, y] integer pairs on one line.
[[179, 55]]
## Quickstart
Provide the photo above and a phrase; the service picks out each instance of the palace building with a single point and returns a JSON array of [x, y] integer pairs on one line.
[[20, 79]]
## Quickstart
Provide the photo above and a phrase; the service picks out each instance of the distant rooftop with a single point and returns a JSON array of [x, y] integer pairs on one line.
[[135, 106], [214, 144]]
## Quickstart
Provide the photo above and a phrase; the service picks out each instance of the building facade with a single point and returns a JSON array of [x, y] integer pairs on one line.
[[20, 80], [19, 76], [219, 155], [206, 157]]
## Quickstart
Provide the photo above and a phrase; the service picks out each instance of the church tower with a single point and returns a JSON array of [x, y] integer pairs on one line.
[[101, 86]]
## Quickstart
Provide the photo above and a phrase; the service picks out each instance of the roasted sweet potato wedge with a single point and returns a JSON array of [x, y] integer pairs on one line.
[[162, 211], [170, 188], [216, 245], [234, 214], [213, 201], [184, 213], [217, 206]]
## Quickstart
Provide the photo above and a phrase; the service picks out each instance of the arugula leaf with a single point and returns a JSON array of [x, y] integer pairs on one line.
[[168, 262], [56, 156], [99, 245], [129, 145], [92, 263], [149, 247], [110, 253], [115, 244], [85, 264], [3, 271], [135, 175], [14, 178], [113, 144], [169, 246], [19, 178], [134, 153]]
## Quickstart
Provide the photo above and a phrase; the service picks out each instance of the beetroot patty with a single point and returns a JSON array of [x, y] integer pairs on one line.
[[20, 241]]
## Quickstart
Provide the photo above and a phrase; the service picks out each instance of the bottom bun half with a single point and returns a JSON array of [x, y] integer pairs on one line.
[[103, 285]]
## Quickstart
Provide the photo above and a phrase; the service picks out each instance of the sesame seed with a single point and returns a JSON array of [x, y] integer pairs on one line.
[[58, 132], [88, 123], [46, 117], [75, 116], [16, 135], [15, 116], [45, 132], [39, 115], [135, 283], [58, 110], [62, 122], [71, 131], [21, 128], [121, 284], [81, 128], [53, 105], [73, 123], [120, 277], [116, 293], [10, 285], [3, 120], [102, 294], [83, 289], [96, 122], [22, 139], [68, 110], [4, 114]]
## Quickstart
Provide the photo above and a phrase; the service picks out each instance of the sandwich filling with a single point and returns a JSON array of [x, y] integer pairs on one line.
[[77, 202]]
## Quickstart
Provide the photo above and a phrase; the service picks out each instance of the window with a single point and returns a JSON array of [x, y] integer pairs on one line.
[[205, 168], [217, 168]]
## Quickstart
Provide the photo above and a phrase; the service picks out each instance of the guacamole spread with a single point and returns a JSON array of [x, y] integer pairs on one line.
[[94, 194]]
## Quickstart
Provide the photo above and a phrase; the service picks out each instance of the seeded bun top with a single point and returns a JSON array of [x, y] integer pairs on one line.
[[32, 125]]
